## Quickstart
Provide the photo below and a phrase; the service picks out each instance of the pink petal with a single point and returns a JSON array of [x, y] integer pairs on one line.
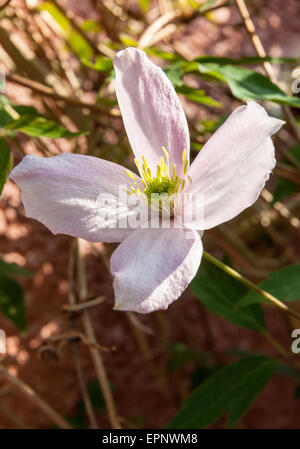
[[152, 267], [152, 113], [65, 194], [233, 166]]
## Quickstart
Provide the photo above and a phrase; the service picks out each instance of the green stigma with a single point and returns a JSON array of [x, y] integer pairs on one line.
[[166, 182], [159, 186]]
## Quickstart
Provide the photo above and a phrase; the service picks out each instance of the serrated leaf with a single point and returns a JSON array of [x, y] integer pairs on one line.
[[232, 388], [12, 302], [5, 163], [220, 293], [197, 95], [284, 284], [39, 126]]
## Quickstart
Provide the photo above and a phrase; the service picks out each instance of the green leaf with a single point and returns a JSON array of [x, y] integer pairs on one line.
[[285, 187], [220, 293], [39, 126], [232, 388], [246, 84], [91, 25], [181, 354], [12, 269], [12, 302], [154, 51], [79, 45], [5, 162], [284, 284], [247, 60], [102, 64], [175, 73], [247, 390], [197, 95]]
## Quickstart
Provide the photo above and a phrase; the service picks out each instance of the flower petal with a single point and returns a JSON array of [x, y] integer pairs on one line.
[[152, 267], [74, 194], [152, 113], [233, 166]]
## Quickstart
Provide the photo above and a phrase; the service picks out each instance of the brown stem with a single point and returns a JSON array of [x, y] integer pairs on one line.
[[78, 366], [49, 92], [36, 399], [89, 330]]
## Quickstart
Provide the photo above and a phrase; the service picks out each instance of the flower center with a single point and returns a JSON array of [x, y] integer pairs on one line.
[[161, 190]]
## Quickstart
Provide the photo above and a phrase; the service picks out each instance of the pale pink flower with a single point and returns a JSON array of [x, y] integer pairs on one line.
[[152, 267]]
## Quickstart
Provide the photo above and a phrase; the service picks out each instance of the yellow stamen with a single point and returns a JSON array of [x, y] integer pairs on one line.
[[183, 155], [130, 175], [137, 163], [182, 184], [166, 153], [185, 167], [162, 164], [174, 169], [190, 179]]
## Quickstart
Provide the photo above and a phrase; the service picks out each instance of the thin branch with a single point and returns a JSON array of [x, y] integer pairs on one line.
[[257, 44], [89, 330], [36, 399], [78, 366], [49, 92]]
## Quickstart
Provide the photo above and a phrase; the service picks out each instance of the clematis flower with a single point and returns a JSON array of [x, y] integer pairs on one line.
[[152, 266]]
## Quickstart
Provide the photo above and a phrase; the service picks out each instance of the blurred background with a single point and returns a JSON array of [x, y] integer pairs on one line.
[[57, 60]]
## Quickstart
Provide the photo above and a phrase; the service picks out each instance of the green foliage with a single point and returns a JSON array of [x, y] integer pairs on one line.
[[285, 187], [79, 45], [197, 95], [11, 293], [284, 284], [179, 355], [220, 293], [5, 162], [102, 64], [246, 84], [12, 302], [31, 122], [231, 389], [39, 126]]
